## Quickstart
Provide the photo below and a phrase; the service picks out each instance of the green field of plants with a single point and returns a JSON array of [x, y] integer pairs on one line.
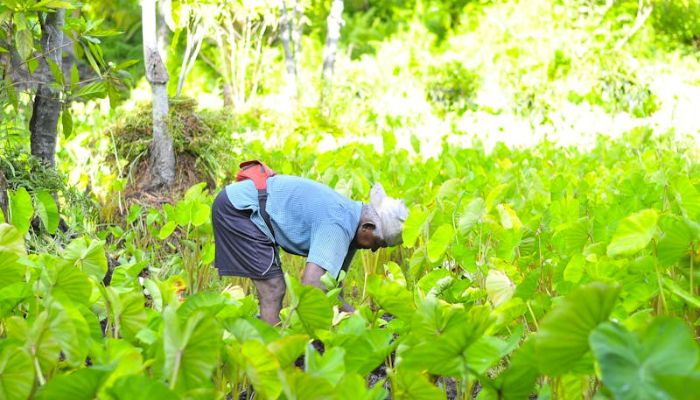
[[547, 152]]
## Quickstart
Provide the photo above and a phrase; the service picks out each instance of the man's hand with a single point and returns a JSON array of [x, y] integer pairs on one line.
[[312, 276]]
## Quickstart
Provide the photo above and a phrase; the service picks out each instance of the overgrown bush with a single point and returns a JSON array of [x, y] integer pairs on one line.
[[452, 87], [619, 92], [616, 92]]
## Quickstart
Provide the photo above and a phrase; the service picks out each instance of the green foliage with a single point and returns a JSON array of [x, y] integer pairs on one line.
[[543, 270], [679, 20], [659, 364]]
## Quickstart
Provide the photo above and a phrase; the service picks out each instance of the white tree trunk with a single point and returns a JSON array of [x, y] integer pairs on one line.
[[162, 162], [288, 56], [335, 21]]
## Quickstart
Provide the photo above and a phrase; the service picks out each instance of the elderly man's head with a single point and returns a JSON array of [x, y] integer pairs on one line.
[[381, 223]]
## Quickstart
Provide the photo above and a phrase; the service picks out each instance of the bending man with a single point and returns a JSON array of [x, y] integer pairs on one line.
[[307, 219]]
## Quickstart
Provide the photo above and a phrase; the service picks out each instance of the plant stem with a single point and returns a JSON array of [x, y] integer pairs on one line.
[[176, 369], [532, 314]]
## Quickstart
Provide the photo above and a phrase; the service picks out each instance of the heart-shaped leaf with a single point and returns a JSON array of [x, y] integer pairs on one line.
[[633, 233]]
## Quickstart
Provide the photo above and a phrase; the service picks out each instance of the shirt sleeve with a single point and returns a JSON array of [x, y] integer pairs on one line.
[[329, 248]]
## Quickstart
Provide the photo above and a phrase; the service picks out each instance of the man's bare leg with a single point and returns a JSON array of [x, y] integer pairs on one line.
[[270, 295]]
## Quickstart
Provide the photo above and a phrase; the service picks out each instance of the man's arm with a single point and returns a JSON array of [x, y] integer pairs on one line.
[[312, 276]]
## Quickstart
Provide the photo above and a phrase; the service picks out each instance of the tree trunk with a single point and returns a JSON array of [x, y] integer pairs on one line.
[[296, 35], [164, 14], [162, 161], [288, 56], [47, 102], [4, 200], [335, 21], [228, 96]]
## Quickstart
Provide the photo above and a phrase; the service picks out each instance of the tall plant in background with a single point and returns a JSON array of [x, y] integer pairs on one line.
[[190, 19], [162, 162], [335, 21], [238, 34], [291, 25]]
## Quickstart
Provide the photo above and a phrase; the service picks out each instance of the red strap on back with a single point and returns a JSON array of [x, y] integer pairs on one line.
[[256, 171]]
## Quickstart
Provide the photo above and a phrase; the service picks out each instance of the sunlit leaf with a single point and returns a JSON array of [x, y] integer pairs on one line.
[[21, 209], [47, 210], [88, 255], [439, 242], [16, 373], [633, 233], [261, 368], [499, 287], [413, 226], [392, 297], [24, 42], [473, 213]]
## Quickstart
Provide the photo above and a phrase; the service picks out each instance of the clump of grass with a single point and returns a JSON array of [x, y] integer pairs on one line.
[[201, 135]]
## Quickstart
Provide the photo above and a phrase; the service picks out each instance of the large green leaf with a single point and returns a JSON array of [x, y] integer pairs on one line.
[[330, 366], [498, 287], [139, 387], [518, 381], [261, 367], [633, 233], [311, 305], [11, 241], [472, 214], [38, 339], [413, 225], [83, 384], [11, 271], [16, 372], [440, 337], [191, 348], [411, 385], [365, 350], [288, 348], [70, 282], [353, 387], [675, 243], [21, 209], [391, 296], [303, 386], [89, 256], [562, 340], [656, 365], [687, 196], [47, 210], [440, 241]]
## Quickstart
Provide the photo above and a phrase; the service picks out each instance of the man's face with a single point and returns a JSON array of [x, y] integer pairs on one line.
[[366, 239]]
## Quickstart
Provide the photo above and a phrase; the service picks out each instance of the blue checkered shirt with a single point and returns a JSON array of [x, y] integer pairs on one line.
[[309, 218]]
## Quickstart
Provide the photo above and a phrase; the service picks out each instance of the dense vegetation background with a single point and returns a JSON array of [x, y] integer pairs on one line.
[[547, 150]]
